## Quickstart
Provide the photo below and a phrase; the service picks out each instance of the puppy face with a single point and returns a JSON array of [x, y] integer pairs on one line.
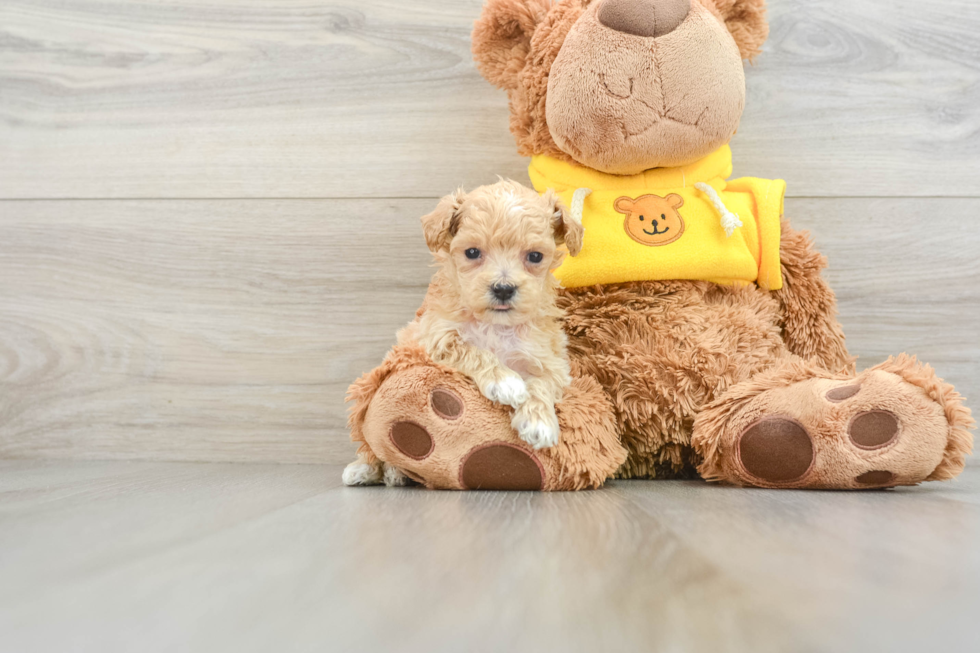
[[498, 245]]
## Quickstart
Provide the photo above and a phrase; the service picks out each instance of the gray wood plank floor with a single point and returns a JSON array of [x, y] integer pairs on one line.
[[122, 556]]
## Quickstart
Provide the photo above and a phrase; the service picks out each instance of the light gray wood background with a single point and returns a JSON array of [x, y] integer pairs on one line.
[[208, 212]]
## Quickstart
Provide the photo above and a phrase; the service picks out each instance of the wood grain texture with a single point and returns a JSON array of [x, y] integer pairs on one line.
[[248, 98], [197, 330], [864, 98], [229, 330], [204, 557]]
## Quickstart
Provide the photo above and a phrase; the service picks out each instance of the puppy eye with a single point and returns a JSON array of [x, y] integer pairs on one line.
[[535, 257], [473, 253]]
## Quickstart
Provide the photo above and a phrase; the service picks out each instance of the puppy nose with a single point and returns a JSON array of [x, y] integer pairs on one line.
[[644, 17], [503, 291]]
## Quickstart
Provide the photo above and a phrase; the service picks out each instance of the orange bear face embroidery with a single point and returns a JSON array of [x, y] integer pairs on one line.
[[651, 219]]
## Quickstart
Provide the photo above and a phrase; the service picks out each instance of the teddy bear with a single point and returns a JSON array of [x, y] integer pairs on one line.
[[703, 340], [652, 220]]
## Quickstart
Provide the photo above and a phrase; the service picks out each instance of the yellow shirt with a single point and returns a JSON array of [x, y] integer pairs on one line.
[[656, 225]]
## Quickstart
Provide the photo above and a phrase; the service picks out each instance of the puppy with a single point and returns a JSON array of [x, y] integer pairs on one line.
[[490, 311]]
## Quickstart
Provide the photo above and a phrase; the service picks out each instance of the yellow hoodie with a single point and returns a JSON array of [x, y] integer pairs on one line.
[[669, 223]]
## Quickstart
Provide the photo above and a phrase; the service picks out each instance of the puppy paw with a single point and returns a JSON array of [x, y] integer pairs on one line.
[[393, 477], [509, 390], [540, 435], [541, 431], [358, 473]]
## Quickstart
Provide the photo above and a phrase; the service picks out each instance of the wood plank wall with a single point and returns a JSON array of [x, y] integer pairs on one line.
[[208, 211]]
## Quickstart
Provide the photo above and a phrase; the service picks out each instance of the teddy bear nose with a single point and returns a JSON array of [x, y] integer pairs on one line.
[[644, 17]]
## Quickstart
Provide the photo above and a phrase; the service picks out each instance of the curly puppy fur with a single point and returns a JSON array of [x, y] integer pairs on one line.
[[490, 310]]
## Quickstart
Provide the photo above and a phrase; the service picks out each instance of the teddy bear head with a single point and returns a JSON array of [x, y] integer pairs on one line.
[[621, 86], [651, 219]]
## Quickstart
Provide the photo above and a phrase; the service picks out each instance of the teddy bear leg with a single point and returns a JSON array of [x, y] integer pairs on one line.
[[799, 426], [432, 425], [808, 306]]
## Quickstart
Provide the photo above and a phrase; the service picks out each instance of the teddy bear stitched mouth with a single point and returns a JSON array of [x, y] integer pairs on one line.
[[612, 93], [655, 232], [661, 118], [658, 115]]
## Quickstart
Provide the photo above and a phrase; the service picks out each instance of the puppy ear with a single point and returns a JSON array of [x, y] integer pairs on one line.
[[442, 224], [502, 38], [746, 21], [675, 200], [568, 231]]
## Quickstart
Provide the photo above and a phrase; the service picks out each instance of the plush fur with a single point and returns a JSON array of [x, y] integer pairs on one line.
[[741, 385], [656, 103], [617, 102]]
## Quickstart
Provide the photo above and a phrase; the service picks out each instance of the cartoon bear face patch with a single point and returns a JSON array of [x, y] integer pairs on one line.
[[652, 220]]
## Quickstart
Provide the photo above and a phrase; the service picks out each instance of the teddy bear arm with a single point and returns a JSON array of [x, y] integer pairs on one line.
[[808, 306]]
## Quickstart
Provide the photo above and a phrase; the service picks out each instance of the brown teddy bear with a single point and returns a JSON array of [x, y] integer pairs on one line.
[[702, 336]]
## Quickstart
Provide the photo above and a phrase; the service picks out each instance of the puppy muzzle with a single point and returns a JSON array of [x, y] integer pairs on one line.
[[503, 294]]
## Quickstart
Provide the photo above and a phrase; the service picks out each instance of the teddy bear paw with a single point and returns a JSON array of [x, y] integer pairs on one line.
[[433, 425], [431, 429], [889, 426]]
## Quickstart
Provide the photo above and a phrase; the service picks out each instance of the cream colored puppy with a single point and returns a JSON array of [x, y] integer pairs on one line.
[[490, 311]]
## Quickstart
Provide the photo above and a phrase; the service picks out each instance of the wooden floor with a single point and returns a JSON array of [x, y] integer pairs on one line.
[[125, 556]]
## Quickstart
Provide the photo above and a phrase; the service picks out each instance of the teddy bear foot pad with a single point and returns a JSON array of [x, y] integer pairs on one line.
[[492, 466], [878, 430], [780, 450], [438, 444], [440, 431]]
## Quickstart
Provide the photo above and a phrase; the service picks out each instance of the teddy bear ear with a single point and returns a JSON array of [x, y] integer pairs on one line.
[[675, 200], [442, 224], [746, 21], [623, 204], [502, 38]]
